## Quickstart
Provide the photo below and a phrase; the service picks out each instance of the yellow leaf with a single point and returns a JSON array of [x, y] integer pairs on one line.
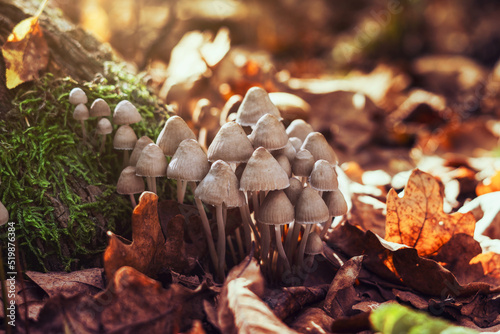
[[26, 52], [418, 220]]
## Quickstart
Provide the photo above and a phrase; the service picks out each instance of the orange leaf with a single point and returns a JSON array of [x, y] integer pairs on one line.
[[25, 53], [418, 220], [490, 262], [489, 186]]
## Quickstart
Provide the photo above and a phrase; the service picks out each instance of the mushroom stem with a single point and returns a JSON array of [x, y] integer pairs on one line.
[[125, 158], [239, 242], [295, 239], [180, 186], [132, 199], [153, 184], [103, 143], [327, 225], [231, 249], [279, 246], [221, 241], [148, 182], [247, 227], [288, 238], [266, 241], [84, 131], [302, 247], [255, 202], [208, 232]]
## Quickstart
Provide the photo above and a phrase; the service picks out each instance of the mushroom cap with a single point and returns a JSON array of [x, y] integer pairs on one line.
[[296, 143], [81, 112], [289, 151], [293, 192], [316, 143], [263, 172], [335, 201], [99, 108], [314, 245], [152, 162], [269, 133], [4, 214], [285, 164], [126, 113], [129, 183], [231, 144], [139, 146], [220, 186], [104, 127], [303, 163], [77, 96], [299, 128], [189, 162], [323, 176], [310, 207], [125, 138], [255, 104], [173, 133], [276, 209]]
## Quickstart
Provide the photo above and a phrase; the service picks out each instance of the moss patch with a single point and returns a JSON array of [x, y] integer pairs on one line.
[[58, 190]]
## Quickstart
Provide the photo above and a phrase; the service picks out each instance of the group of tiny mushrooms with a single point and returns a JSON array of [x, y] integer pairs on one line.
[[281, 179]]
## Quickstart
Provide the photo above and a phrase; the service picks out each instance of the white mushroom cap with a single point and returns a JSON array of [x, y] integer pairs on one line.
[[129, 182], [152, 162], [104, 127], [255, 104], [125, 138], [126, 113], [77, 96], [81, 112], [99, 108]]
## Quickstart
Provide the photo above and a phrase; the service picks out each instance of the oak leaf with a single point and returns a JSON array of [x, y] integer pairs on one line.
[[418, 220], [26, 52]]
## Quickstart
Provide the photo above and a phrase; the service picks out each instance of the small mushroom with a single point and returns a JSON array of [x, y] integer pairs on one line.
[[303, 164], [299, 128], [231, 145], [81, 114], [309, 210], [314, 247], [269, 133], [124, 140], [316, 143], [255, 104], [126, 113], [104, 128], [337, 206], [173, 133], [129, 184], [151, 164], [99, 108], [77, 96]]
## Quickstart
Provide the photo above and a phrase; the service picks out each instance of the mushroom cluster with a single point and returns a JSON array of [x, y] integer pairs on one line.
[[282, 180]]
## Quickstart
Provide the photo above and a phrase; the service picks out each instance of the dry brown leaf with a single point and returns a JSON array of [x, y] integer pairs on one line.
[[491, 264], [26, 52], [240, 309], [418, 220]]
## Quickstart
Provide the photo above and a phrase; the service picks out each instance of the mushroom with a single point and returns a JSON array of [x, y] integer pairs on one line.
[[314, 247], [337, 206], [293, 193], [309, 210], [255, 104], [206, 118], [190, 163], [81, 114], [323, 176], [151, 164], [316, 143], [296, 143], [126, 113], [299, 128], [289, 151], [269, 133], [124, 140], [231, 106], [303, 164], [129, 184], [277, 210], [99, 108], [173, 133], [4, 214], [77, 96], [285, 164], [231, 145], [104, 128], [218, 188], [139, 146]]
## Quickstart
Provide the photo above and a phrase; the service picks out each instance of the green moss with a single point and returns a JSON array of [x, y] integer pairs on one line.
[[59, 190]]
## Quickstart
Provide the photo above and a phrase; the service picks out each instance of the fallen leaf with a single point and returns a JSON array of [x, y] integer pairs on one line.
[[368, 213], [86, 281], [240, 309], [313, 320], [341, 294], [491, 264], [26, 52], [418, 220]]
